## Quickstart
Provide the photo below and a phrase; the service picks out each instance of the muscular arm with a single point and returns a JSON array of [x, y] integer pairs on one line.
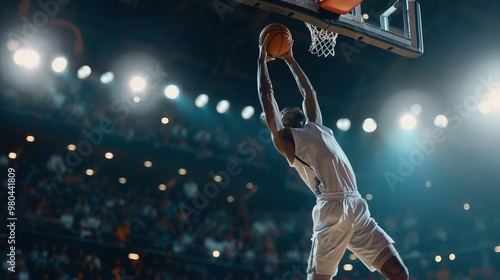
[[310, 105], [269, 104]]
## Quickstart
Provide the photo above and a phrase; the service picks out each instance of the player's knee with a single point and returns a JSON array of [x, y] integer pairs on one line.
[[399, 272]]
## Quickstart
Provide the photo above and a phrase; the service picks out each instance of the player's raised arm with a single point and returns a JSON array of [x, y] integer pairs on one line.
[[267, 100], [310, 104]]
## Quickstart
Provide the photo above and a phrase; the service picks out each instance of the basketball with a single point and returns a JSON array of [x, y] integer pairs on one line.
[[279, 40]]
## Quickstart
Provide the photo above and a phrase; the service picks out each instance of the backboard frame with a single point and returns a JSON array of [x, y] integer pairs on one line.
[[409, 44]]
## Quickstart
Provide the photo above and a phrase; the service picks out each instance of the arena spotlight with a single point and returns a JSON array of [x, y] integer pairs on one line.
[[137, 84], [438, 258], [165, 120], [171, 92], [30, 138], [485, 107], [344, 124], [148, 164], [222, 106], [108, 155], [182, 171], [84, 72], [441, 121], [12, 155], [89, 172], [416, 109], [107, 77], [71, 147], [496, 249], [136, 99], [452, 257], [27, 58], [348, 267], [122, 180], [133, 256], [466, 206], [59, 64], [230, 199], [408, 121], [369, 125], [201, 100], [247, 112], [162, 187], [217, 178], [216, 254]]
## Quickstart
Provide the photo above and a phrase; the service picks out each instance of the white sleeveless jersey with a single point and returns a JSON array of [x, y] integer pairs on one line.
[[321, 162]]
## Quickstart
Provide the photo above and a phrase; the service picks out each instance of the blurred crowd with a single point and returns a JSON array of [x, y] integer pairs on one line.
[[81, 210]]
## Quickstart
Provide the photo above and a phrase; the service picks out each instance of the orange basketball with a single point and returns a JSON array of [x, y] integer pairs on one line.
[[279, 40]]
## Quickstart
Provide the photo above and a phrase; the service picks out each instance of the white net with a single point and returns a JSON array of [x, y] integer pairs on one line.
[[322, 41]]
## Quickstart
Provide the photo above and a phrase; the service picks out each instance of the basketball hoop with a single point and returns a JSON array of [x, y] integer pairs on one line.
[[322, 41]]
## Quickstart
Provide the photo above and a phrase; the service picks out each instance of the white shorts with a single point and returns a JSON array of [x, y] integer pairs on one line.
[[344, 224]]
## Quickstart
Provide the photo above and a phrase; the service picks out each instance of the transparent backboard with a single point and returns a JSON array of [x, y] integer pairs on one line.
[[395, 26]]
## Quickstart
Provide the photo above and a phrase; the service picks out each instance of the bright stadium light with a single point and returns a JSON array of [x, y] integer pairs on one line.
[[348, 267], [84, 72], [137, 83], [122, 180], [369, 125], [408, 122], [216, 254], [133, 256], [222, 106], [108, 155], [437, 258], [247, 112], [182, 171], [59, 64], [441, 121], [12, 155], [30, 138], [201, 100], [89, 172], [230, 199], [148, 164], [162, 187], [485, 107], [107, 77], [26, 58], [416, 109], [452, 257], [171, 92], [496, 249], [344, 124]]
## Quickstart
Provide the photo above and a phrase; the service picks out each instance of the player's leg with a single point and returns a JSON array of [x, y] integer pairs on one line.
[[389, 264], [373, 246]]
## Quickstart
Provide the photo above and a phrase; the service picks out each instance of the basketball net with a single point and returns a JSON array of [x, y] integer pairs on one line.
[[322, 41]]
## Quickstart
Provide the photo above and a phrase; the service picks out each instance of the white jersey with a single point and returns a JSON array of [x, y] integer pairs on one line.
[[321, 162]]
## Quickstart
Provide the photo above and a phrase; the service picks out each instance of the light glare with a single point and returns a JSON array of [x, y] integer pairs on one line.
[[441, 121], [437, 258], [348, 267], [201, 100], [12, 155], [26, 58], [107, 77], [133, 256], [222, 106], [172, 92], [369, 125], [344, 124], [182, 171], [89, 172], [30, 138], [59, 64], [137, 84], [247, 112], [408, 122], [84, 72]]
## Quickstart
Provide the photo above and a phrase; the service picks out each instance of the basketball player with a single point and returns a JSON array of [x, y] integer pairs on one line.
[[341, 217]]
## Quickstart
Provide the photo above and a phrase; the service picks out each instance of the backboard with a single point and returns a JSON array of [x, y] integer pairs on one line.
[[394, 26]]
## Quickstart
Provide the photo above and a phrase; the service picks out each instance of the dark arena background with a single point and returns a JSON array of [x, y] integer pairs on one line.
[[131, 145]]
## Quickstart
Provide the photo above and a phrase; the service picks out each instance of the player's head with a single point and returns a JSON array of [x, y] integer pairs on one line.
[[290, 117], [293, 117]]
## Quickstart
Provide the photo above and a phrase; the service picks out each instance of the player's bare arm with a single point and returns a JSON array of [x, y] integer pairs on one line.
[[310, 105], [281, 136]]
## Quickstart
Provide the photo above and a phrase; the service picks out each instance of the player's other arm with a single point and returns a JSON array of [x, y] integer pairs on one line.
[[268, 102], [310, 104]]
